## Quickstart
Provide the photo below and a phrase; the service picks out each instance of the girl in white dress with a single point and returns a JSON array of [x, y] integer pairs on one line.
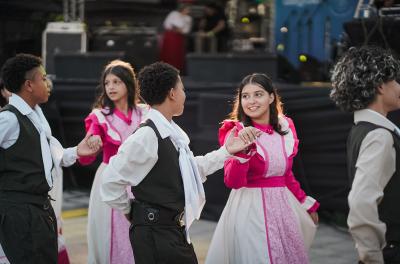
[[268, 218]]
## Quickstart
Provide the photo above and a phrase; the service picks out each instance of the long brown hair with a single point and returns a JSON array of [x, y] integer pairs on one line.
[[275, 108], [125, 72]]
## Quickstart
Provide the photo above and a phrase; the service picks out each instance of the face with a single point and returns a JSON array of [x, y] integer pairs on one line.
[[391, 95], [37, 83], [179, 97], [186, 11], [255, 103], [116, 89]]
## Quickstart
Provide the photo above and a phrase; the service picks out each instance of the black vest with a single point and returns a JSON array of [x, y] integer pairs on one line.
[[163, 185], [389, 210], [21, 165]]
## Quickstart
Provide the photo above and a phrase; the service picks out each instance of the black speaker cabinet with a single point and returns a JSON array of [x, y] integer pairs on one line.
[[83, 66], [140, 44]]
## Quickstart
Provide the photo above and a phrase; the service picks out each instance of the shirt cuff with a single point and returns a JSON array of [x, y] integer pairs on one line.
[[70, 156], [310, 204], [370, 256]]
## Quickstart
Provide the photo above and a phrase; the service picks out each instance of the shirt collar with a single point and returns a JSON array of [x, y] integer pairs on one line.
[[160, 122], [376, 118], [19, 103]]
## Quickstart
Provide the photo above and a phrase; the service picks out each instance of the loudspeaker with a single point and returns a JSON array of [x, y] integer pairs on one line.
[[83, 66], [61, 37], [140, 44]]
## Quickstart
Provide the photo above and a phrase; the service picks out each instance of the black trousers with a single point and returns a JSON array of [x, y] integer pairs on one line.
[[161, 245], [28, 232]]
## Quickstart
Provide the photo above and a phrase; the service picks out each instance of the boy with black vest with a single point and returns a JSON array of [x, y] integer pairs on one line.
[[30, 158], [365, 81], [166, 177]]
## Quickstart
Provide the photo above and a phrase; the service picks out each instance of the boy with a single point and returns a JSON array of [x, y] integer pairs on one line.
[[29, 158], [365, 81], [166, 178]]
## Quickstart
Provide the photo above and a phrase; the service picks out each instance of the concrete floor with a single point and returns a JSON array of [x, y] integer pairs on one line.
[[331, 245]]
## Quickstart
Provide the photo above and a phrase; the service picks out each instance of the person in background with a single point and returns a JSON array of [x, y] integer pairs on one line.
[[30, 161], [115, 116], [365, 81], [268, 218], [214, 24], [176, 26]]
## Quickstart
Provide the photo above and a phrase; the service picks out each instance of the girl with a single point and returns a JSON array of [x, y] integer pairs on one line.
[[115, 116], [265, 219]]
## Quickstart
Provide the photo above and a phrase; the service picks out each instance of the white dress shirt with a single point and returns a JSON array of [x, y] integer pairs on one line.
[[54, 156], [137, 156], [375, 166], [176, 19]]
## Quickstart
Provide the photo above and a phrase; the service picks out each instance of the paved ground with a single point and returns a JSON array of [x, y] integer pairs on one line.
[[331, 245]]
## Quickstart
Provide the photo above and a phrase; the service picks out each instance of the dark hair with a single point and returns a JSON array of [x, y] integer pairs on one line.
[[357, 75], [156, 80], [3, 101], [125, 72], [275, 108], [15, 69]]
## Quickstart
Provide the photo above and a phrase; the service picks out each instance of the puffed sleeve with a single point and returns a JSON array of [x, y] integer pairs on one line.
[[237, 166], [92, 126]]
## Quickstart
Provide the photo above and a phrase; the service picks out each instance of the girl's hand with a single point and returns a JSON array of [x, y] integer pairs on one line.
[[249, 134], [235, 144], [94, 142], [314, 217]]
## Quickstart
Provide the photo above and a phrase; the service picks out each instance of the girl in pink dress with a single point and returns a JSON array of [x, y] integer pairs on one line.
[[268, 218], [115, 116]]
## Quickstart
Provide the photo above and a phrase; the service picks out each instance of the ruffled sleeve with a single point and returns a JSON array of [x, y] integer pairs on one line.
[[236, 167], [93, 127], [292, 142]]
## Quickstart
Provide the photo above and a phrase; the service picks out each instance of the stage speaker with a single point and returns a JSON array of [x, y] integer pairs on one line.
[[83, 66], [62, 37], [140, 44]]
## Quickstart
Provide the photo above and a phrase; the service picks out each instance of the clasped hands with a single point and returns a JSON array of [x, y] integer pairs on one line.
[[243, 140], [89, 146]]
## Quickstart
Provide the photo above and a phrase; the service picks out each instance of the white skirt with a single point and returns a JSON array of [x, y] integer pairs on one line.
[[107, 230], [262, 226]]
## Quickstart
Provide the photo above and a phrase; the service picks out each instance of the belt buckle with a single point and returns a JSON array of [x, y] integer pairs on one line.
[[152, 215]]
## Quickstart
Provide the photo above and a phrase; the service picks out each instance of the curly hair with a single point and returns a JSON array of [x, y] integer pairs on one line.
[[15, 69], [357, 75], [126, 73], [275, 108], [156, 80]]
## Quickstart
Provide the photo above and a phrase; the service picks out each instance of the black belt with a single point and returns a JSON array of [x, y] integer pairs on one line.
[[144, 214], [26, 198]]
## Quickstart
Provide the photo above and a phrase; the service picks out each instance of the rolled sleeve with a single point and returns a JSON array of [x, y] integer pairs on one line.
[[375, 166], [134, 160]]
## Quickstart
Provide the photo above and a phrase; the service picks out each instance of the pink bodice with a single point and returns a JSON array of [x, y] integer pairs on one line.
[[113, 130]]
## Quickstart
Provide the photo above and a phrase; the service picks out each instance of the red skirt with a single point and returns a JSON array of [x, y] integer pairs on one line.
[[173, 49]]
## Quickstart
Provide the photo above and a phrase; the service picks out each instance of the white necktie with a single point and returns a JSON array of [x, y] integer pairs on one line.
[[44, 144], [192, 183]]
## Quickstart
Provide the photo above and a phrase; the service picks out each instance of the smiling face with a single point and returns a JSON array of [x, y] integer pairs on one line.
[[255, 102], [115, 88]]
